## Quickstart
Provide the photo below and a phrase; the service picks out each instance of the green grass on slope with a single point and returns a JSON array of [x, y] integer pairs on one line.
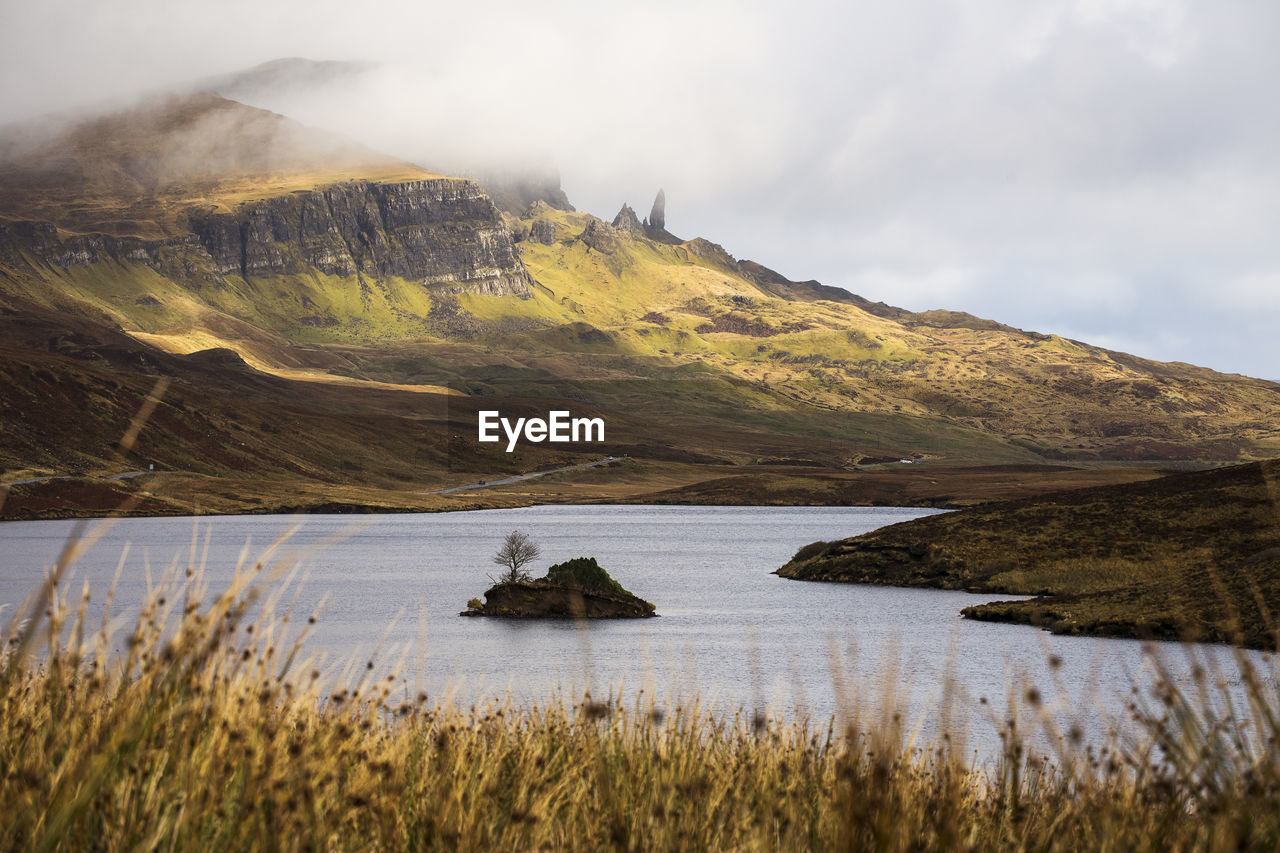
[[305, 308], [642, 307]]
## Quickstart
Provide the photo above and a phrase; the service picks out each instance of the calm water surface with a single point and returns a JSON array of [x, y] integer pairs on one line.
[[729, 631]]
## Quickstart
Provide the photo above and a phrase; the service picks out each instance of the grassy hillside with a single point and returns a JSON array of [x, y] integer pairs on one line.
[[1191, 555], [246, 240], [227, 437], [616, 320]]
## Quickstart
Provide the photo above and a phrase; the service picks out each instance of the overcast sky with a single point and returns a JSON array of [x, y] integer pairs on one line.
[[1108, 170]]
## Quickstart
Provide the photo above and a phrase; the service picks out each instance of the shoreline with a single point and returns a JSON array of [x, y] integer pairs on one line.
[[624, 480]]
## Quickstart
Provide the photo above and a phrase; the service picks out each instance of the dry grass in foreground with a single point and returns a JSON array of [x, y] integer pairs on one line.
[[212, 730]]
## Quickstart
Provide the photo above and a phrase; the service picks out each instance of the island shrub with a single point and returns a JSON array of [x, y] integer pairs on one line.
[[583, 572], [475, 604], [813, 549]]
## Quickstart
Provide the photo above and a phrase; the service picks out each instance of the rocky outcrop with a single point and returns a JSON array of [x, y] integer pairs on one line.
[[543, 600], [855, 560], [655, 227], [600, 236], [709, 253], [513, 190], [626, 221], [441, 233], [438, 232], [543, 231], [658, 215], [29, 246], [575, 589]]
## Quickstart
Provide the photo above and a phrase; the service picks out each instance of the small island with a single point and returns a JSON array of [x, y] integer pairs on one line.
[[575, 589]]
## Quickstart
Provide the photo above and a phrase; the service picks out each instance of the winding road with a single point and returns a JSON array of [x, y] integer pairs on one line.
[[484, 484], [481, 485], [126, 475]]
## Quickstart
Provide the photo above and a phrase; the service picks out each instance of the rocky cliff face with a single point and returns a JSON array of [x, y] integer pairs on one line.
[[601, 237], [626, 220], [442, 233], [658, 214], [35, 248]]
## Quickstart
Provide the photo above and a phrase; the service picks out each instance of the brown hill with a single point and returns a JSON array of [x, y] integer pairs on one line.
[[1190, 555], [136, 171], [195, 224]]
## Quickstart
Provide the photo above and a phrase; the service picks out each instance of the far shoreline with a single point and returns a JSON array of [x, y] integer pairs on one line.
[[365, 509], [624, 481]]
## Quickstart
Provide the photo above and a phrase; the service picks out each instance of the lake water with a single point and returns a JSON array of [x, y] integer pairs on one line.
[[729, 631]]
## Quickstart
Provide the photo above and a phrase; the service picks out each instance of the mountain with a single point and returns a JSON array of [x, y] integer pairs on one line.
[[175, 209], [135, 172], [331, 277], [281, 83], [1054, 398], [1193, 555]]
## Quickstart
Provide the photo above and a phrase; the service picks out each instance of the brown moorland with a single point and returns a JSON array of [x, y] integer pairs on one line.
[[1187, 556]]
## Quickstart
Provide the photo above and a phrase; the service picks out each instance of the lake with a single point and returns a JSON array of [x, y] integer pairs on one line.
[[729, 631]]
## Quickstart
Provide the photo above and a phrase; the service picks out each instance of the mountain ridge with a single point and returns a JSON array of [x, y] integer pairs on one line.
[[403, 278]]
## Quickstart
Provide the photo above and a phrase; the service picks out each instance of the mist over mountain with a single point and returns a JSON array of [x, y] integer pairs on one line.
[[320, 89], [123, 171], [276, 238], [278, 78], [193, 222], [1102, 171]]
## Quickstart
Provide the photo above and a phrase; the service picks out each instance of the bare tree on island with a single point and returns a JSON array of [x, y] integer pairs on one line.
[[517, 550]]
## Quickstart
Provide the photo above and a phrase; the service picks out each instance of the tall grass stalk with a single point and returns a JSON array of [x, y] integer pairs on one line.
[[213, 729]]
